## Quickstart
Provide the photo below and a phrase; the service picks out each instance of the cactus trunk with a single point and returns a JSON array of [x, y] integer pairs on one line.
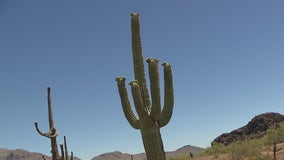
[[153, 143], [54, 147]]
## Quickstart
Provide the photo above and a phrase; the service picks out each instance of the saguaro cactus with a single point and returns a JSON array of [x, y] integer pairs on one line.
[[151, 117], [64, 151], [52, 133]]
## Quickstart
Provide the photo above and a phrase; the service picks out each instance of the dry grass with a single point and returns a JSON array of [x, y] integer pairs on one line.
[[266, 151]]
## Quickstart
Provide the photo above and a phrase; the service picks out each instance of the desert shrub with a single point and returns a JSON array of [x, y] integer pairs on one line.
[[274, 135], [250, 149], [240, 150], [216, 148]]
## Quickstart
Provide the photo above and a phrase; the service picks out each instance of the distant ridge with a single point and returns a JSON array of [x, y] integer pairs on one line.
[[142, 156], [256, 128], [20, 154]]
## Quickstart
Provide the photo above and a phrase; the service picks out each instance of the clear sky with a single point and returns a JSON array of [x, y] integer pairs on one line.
[[227, 58]]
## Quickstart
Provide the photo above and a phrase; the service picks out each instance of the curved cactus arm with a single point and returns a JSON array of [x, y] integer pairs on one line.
[[138, 60], [142, 111], [127, 110], [51, 134], [169, 95], [155, 88]]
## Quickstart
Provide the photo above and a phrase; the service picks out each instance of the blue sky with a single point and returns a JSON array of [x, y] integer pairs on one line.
[[227, 59]]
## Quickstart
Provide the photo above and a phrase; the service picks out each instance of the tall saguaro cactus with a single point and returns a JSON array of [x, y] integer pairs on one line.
[[151, 116], [52, 133]]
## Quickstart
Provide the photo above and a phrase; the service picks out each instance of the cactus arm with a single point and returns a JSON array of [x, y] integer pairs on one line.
[[51, 134], [168, 95], [71, 156], [143, 112], [62, 152], [138, 100], [65, 148], [155, 88], [52, 131], [138, 64], [130, 116]]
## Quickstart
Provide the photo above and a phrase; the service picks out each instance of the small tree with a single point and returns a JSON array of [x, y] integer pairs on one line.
[[274, 136]]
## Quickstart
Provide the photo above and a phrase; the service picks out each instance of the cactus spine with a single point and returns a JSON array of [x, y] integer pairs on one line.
[[151, 117], [52, 134]]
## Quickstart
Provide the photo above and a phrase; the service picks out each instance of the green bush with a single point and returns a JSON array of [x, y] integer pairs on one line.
[[274, 135], [250, 149], [216, 148]]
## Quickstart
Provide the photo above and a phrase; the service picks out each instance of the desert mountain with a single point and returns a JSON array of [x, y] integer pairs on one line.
[[20, 154], [125, 156], [256, 128]]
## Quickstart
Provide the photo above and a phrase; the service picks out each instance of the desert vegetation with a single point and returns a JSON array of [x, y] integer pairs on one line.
[[268, 147]]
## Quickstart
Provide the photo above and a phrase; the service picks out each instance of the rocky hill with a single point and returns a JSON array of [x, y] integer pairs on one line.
[[256, 128], [19, 154], [125, 156]]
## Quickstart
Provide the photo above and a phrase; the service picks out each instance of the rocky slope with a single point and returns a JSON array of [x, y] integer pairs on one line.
[[256, 128], [18, 154]]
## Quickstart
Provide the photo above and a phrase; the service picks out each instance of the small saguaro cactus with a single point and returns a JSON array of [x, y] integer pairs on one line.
[[52, 133], [151, 116], [64, 151]]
